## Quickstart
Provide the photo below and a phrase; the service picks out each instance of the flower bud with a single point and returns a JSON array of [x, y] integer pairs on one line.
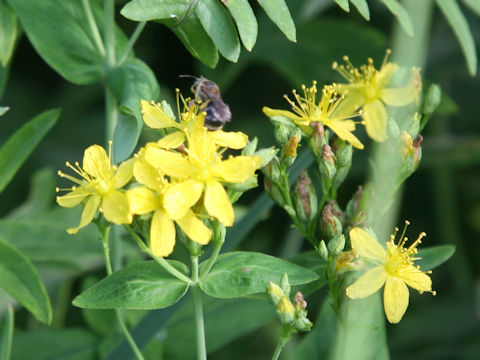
[[275, 292], [290, 150], [299, 302], [266, 154], [326, 165], [330, 221], [305, 198], [286, 311], [417, 151], [336, 244], [322, 250], [285, 285], [283, 129], [432, 99], [272, 170], [274, 191], [343, 155], [303, 324], [318, 139], [251, 147]]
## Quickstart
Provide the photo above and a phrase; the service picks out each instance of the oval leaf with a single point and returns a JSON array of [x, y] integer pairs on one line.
[[459, 25], [141, 286], [246, 22], [19, 278], [219, 26], [434, 256], [19, 146], [241, 273], [278, 12], [146, 10], [8, 32]]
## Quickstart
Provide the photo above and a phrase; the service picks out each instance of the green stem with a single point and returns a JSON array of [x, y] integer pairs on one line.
[[93, 27], [118, 312], [131, 42], [6, 344], [110, 100], [218, 241], [161, 261], [197, 306], [279, 348]]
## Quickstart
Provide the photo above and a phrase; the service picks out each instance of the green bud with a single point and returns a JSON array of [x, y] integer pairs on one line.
[[393, 131], [305, 198], [322, 250], [336, 244], [356, 214], [285, 285], [326, 165], [283, 129], [251, 147], [343, 154], [275, 292], [303, 324], [274, 191], [318, 139], [272, 170], [433, 98], [285, 311], [331, 220], [266, 154]]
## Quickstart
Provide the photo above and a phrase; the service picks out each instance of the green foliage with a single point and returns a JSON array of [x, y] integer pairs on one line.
[[245, 20], [141, 286], [431, 257], [7, 334], [19, 278], [277, 11], [239, 273], [8, 32], [16, 150]]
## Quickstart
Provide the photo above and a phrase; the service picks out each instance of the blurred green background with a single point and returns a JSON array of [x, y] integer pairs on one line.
[[442, 198]]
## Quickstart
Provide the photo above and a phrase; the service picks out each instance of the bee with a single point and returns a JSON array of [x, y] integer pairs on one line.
[[218, 113]]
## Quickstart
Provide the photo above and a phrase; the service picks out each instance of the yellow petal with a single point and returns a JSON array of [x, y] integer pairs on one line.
[[169, 162], [288, 114], [385, 74], [343, 129], [88, 213], [366, 246], [399, 96], [375, 117], [395, 299], [115, 208], [368, 283], [416, 279], [179, 198], [237, 169], [155, 117], [96, 162], [73, 198], [171, 141], [354, 97], [124, 173], [162, 234], [218, 204], [194, 228], [142, 200], [146, 174], [231, 140]]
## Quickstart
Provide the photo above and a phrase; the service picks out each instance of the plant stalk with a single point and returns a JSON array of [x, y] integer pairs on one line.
[[131, 42], [93, 27], [198, 310], [6, 344]]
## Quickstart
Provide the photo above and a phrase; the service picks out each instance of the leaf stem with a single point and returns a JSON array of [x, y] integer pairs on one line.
[[131, 42], [119, 314], [218, 241], [198, 309], [6, 344], [161, 261], [93, 27]]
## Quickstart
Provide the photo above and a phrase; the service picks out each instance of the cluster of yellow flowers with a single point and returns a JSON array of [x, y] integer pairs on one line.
[[179, 179], [365, 95]]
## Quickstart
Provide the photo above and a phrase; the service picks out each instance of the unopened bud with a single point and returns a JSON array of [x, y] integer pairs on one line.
[[303, 324], [305, 198], [299, 302], [290, 150], [275, 292], [274, 191], [283, 129], [322, 250], [266, 155], [286, 311], [251, 147], [285, 285], [326, 165], [330, 221], [336, 244], [356, 212], [272, 170], [318, 139], [343, 152], [432, 99]]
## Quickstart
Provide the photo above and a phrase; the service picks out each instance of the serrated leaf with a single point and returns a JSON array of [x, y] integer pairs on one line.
[[8, 32], [219, 26], [434, 256], [19, 146], [141, 286], [278, 12], [130, 82], [246, 22], [402, 15], [343, 4], [238, 273], [19, 278], [146, 10], [59, 32], [362, 7], [459, 25]]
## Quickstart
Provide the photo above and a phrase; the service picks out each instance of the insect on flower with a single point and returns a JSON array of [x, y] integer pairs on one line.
[[218, 113]]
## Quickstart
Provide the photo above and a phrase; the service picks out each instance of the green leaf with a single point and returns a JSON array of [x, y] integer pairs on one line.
[[59, 32], [19, 146], [147, 10], [246, 22], [278, 12], [141, 286], [3, 110], [362, 8], [4, 71], [474, 5], [402, 15], [19, 278], [131, 82], [8, 32], [240, 273], [48, 344], [434, 256], [311, 260], [343, 4], [459, 25], [7, 335], [219, 26]]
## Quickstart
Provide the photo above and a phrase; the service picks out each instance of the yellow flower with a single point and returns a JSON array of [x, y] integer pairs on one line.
[[393, 268], [200, 172], [99, 185], [144, 200], [368, 88], [332, 111], [192, 117]]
